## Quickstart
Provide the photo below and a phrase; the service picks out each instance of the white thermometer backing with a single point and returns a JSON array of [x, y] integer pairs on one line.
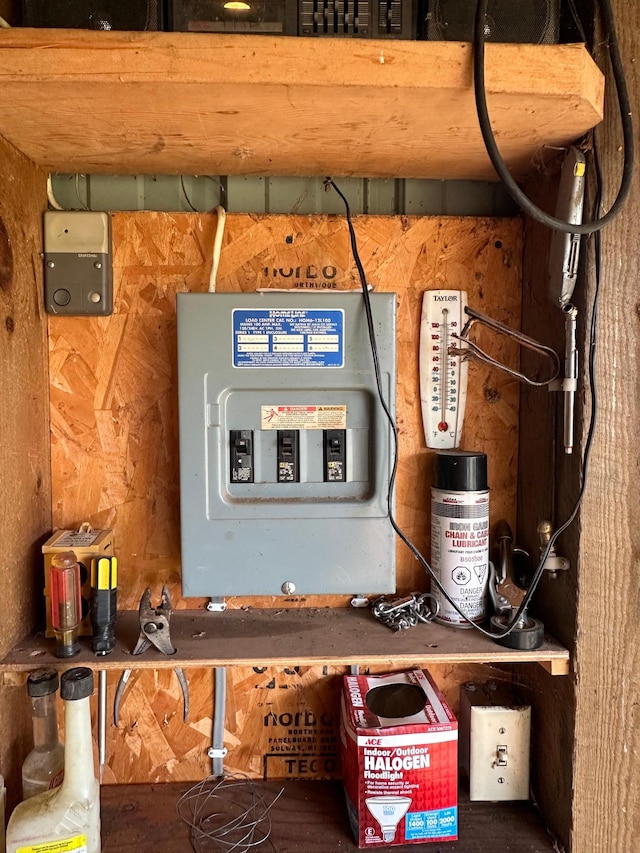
[[443, 377]]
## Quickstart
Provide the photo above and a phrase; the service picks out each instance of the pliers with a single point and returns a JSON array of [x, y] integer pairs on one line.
[[154, 631]]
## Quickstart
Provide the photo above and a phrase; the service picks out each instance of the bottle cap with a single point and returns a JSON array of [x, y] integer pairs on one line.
[[42, 682], [76, 683], [461, 471]]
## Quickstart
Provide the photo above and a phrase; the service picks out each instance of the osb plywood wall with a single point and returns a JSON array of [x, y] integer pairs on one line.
[[115, 437], [280, 723]]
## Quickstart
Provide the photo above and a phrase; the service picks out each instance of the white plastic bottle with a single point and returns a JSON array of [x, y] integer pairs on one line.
[[67, 819]]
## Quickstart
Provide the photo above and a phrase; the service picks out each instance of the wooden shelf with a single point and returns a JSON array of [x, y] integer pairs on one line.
[[306, 637], [309, 816], [164, 103]]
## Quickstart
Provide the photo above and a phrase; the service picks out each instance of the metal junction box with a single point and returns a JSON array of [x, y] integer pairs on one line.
[[284, 447]]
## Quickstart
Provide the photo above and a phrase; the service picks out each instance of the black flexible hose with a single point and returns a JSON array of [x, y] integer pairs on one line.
[[499, 164]]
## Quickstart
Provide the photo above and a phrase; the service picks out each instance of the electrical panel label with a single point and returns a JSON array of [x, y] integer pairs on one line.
[[303, 417], [288, 337]]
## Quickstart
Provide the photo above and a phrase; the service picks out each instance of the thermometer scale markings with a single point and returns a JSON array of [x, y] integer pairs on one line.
[[443, 426], [445, 386]]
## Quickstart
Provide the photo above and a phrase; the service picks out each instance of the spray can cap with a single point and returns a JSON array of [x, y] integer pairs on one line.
[[461, 471], [76, 683], [42, 682]]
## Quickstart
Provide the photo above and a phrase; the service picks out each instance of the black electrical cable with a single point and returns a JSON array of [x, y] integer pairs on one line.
[[577, 21], [184, 193], [499, 164], [394, 430]]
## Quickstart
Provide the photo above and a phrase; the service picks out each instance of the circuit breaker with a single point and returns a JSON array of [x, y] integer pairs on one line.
[[285, 450]]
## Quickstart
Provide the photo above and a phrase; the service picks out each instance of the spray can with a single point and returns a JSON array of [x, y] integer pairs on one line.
[[460, 536]]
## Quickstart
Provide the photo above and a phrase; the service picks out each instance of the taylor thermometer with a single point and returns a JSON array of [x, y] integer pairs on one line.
[[443, 377]]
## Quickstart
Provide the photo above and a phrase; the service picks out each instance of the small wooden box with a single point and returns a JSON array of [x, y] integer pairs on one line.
[[85, 544]]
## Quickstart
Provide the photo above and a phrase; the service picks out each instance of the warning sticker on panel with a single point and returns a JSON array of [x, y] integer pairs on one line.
[[288, 337], [303, 417]]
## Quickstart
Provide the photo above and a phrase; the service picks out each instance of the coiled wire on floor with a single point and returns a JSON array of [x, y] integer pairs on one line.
[[229, 814]]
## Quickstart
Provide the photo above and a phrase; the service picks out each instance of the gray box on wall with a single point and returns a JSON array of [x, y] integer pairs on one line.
[[285, 451]]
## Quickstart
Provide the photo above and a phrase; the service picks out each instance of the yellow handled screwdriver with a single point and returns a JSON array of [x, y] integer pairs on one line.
[[104, 609], [104, 603]]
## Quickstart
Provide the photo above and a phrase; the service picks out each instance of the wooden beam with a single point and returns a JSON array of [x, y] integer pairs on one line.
[[25, 481], [25, 487], [219, 104], [547, 484], [607, 735]]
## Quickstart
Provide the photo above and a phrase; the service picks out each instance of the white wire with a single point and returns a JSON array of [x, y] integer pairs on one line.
[[217, 247], [50, 196]]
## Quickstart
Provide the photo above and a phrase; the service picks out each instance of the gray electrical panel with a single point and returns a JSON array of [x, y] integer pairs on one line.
[[285, 451]]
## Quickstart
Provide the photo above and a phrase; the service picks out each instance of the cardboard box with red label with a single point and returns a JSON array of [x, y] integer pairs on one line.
[[399, 746]]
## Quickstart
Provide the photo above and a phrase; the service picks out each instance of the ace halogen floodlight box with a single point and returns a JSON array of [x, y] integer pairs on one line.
[[399, 748]]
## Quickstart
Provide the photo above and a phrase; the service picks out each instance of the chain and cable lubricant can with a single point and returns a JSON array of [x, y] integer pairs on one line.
[[460, 536]]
